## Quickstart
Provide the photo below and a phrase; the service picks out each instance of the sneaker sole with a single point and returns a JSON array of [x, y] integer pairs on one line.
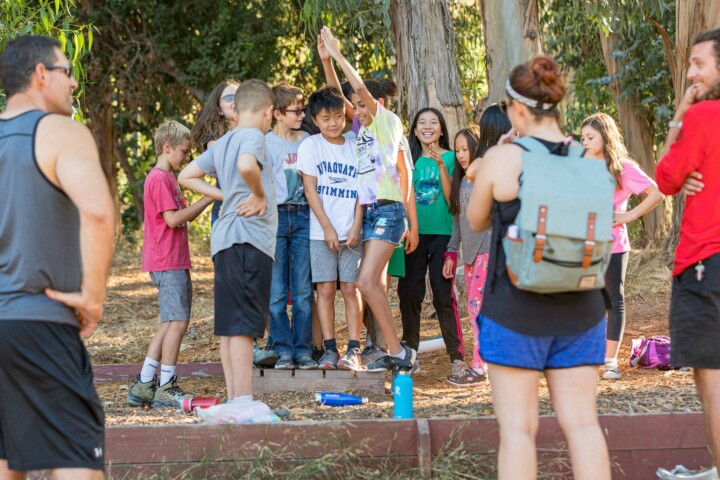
[[313, 367], [605, 376], [377, 369], [166, 404], [266, 362], [348, 366], [137, 401], [327, 366], [284, 367], [473, 384]]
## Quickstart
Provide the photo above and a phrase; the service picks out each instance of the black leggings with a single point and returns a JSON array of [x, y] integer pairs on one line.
[[428, 258], [615, 286]]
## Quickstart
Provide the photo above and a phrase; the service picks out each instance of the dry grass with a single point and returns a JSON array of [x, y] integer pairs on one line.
[[132, 317]]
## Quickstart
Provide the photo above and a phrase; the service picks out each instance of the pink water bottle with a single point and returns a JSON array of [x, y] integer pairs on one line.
[[189, 404]]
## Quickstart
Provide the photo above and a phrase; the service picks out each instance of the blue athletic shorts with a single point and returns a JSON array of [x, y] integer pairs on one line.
[[503, 346]]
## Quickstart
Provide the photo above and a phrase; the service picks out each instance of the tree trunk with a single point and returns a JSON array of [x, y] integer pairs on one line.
[[512, 36], [639, 140], [691, 17], [99, 104], [426, 68]]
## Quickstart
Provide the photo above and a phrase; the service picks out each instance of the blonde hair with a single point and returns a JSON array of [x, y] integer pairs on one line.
[[614, 150], [170, 131]]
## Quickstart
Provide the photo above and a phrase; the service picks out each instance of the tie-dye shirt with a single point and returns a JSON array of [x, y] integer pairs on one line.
[[377, 152]]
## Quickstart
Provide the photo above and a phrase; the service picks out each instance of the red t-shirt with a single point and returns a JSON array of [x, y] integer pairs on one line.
[[164, 248], [697, 148]]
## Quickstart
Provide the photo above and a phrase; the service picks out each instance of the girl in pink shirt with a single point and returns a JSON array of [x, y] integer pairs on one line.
[[602, 140]]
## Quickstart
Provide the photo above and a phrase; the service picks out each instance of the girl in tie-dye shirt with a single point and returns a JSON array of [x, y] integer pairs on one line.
[[383, 187]]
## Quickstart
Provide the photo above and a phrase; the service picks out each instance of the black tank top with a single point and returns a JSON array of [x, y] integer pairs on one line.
[[533, 313]]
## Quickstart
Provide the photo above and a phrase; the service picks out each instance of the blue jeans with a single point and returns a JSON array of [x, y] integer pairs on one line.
[[291, 271]]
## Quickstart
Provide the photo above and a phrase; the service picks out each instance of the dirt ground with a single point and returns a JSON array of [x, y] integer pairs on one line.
[[132, 316]]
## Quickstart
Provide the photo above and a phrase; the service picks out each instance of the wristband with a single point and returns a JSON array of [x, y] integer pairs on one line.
[[674, 124]]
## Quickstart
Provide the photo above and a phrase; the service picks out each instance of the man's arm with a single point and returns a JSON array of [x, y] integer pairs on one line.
[[78, 173], [175, 218]]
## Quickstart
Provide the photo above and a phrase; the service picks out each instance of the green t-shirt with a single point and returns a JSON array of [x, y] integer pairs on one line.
[[432, 209]]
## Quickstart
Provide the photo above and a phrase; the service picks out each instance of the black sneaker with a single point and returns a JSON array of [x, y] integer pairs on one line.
[[317, 352], [388, 362]]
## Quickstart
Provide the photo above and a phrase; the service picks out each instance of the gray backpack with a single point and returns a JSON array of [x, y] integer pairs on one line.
[[562, 240]]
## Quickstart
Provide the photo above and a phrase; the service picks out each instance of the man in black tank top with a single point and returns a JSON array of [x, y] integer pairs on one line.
[[56, 244]]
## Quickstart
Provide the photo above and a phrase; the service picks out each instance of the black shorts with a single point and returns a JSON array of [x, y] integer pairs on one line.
[[242, 291], [50, 414], [695, 317]]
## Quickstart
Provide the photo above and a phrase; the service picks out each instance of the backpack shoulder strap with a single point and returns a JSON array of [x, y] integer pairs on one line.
[[531, 144], [575, 149]]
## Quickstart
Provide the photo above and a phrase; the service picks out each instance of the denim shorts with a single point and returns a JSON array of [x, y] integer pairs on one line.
[[174, 294], [386, 221], [502, 346]]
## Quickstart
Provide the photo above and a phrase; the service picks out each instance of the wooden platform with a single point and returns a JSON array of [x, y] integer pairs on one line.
[[638, 444], [264, 380]]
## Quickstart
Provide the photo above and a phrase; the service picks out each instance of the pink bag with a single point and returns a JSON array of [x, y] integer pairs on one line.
[[653, 352]]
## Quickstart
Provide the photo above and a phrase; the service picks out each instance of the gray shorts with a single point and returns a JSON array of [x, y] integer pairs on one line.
[[174, 294], [329, 266]]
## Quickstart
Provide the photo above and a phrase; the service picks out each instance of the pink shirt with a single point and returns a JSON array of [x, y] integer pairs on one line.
[[634, 181], [164, 248]]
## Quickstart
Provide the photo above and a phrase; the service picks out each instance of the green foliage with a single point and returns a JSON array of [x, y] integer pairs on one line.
[[572, 33], [470, 52], [51, 18]]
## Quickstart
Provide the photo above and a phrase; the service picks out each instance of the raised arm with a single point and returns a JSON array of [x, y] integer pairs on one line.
[[351, 74], [331, 77]]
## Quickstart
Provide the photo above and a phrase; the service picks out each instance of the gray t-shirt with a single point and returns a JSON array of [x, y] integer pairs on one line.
[[220, 161], [288, 183], [472, 242]]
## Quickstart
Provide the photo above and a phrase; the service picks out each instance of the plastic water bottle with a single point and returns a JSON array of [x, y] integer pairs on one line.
[[332, 399], [403, 395]]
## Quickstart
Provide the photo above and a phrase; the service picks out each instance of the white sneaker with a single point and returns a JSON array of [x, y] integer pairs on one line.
[[682, 473], [249, 412], [611, 371]]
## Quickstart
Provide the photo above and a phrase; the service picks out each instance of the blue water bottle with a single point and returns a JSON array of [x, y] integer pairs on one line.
[[332, 399], [403, 395]]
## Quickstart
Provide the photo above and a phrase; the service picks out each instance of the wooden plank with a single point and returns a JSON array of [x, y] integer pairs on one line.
[[264, 380], [291, 440], [424, 449]]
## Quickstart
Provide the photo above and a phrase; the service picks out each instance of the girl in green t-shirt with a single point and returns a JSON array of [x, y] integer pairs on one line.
[[432, 184]]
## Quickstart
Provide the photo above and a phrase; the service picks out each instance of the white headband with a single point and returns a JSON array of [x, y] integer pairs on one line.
[[527, 101]]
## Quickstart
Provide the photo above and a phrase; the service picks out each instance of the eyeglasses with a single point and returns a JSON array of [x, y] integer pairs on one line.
[[298, 111], [230, 97], [66, 68]]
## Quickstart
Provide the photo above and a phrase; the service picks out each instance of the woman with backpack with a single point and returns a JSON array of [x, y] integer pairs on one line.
[[602, 140], [524, 334]]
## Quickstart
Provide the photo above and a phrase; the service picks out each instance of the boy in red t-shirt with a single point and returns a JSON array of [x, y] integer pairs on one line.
[[166, 256]]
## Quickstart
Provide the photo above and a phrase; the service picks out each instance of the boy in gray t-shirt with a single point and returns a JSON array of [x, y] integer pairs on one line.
[[242, 244]]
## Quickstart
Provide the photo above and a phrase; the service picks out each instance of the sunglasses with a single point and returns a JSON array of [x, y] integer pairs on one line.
[[503, 105], [298, 111], [230, 97], [66, 68]]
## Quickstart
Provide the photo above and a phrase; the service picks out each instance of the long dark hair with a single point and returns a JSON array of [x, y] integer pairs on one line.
[[210, 125], [493, 124], [415, 145], [472, 137]]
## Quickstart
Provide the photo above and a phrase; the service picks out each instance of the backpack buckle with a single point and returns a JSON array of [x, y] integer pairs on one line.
[[589, 247], [540, 237]]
